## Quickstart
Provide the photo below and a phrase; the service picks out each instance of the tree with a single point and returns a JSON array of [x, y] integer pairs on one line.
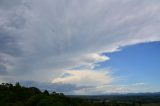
[[17, 85], [46, 92]]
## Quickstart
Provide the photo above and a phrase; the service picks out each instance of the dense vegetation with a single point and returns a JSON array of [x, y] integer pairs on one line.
[[22, 96], [17, 95]]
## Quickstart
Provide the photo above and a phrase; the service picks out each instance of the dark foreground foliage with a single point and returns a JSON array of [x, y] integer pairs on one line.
[[16, 95], [22, 96]]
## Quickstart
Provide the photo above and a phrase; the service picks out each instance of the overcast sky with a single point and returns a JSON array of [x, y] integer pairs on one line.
[[71, 43]]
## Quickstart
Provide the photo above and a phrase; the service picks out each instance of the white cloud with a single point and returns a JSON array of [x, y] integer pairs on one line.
[[89, 61], [140, 83], [84, 78], [110, 88]]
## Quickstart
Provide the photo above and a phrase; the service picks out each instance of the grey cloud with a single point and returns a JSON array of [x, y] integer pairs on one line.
[[3, 70], [7, 4], [8, 45], [47, 37], [11, 22]]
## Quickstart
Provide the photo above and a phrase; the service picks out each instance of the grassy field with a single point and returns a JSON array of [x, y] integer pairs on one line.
[[151, 104]]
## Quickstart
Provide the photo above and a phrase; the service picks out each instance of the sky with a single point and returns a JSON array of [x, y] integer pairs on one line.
[[81, 46]]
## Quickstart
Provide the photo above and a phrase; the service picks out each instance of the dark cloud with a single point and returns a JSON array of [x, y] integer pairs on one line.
[[7, 4], [8, 51], [8, 45], [11, 21], [3, 70]]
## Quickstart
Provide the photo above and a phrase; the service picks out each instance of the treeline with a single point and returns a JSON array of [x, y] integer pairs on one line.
[[17, 95]]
